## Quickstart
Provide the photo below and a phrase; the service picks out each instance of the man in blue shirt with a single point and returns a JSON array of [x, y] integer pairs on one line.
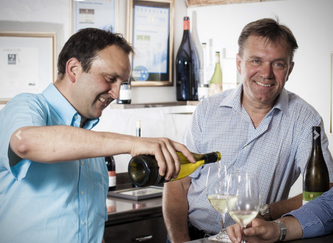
[[258, 127], [313, 219], [54, 180]]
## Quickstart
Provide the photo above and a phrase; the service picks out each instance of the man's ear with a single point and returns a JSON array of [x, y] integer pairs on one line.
[[238, 63], [73, 67]]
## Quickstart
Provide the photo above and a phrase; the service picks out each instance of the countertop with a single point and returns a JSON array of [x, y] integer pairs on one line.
[[322, 239], [122, 211]]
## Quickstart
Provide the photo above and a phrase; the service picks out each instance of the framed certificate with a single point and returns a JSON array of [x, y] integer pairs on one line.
[[150, 31], [101, 14], [27, 63]]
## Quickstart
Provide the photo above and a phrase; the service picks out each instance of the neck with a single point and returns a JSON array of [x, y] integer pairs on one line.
[[256, 111]]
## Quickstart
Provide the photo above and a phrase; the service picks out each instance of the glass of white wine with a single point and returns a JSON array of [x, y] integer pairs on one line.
[[243, 198], [216, 191]]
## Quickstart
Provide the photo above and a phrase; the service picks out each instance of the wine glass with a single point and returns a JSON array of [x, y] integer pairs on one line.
[[216, 191], [243, 198]]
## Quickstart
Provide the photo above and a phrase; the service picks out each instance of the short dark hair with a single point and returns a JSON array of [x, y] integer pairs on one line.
[[85, 45], [271, 30]]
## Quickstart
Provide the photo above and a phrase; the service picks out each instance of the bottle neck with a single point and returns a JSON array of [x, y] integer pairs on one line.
[[211, 158], [217, 59], [186, 25], [316, 138]]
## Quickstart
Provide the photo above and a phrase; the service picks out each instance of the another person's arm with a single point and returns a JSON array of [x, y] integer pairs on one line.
[[49, 144], [175, 209], [311, 220], [265, 232]]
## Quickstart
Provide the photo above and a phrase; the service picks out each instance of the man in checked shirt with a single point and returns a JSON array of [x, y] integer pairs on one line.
[[258, 126]]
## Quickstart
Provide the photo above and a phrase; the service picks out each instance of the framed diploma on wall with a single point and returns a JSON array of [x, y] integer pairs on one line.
[[101, 14], [27, 63], [150, 31]]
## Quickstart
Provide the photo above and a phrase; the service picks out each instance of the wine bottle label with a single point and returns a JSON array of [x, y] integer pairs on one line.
[[125, 94], [308, 196], [215, 88], [112, 178]]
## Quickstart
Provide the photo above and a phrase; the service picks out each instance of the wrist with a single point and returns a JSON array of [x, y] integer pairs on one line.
[[265, 212], [283, 230]]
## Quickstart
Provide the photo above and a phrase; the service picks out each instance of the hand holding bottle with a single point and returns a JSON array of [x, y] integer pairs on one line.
[[165, 152]]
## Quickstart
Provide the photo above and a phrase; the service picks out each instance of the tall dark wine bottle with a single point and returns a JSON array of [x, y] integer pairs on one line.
[[111, 165], [316, 178], [187, 67], [143, 169], [125, 93]]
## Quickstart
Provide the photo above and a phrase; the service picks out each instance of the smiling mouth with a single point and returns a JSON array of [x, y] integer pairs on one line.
[[106, 102], [263, 85]]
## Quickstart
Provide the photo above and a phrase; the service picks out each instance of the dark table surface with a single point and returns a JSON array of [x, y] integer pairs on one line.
[[322, 239]]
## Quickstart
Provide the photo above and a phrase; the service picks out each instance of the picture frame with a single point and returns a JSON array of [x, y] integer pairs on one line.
[[101, 14], [138, 193], [27, 62], [150, 28]]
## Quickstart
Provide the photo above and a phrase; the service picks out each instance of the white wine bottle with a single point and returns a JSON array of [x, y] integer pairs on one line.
[[143, 169], [316, 178], [215, 85]]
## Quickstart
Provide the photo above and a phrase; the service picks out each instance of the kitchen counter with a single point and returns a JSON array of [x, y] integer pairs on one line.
[[122, 211], [134, 221]]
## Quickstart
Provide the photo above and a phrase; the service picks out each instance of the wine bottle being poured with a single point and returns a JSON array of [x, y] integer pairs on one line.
[[143, 169]]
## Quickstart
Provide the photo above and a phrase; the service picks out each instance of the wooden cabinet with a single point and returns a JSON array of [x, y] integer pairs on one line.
[[149, 230]]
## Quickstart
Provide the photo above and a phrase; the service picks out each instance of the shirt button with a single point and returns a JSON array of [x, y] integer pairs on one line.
[[84, 223], [82, 192], [75, 116]]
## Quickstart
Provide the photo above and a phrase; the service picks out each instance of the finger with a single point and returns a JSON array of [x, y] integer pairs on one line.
[[187, 153], [234, 233]]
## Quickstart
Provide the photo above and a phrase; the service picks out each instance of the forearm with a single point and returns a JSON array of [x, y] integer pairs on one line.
[[277, 209], [64, 143], [175, 210]]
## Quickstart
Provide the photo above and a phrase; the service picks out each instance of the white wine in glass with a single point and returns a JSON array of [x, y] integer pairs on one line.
[[243, 198], [216, 191]]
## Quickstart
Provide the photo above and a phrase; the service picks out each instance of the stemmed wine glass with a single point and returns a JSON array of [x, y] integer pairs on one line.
[[216, 191], [243, 198]]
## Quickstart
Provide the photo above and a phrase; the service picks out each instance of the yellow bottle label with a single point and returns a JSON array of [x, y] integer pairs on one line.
[[188, 168]]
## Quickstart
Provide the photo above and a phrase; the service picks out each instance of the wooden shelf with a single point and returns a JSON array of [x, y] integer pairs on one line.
[[198, 3], [153, 105]]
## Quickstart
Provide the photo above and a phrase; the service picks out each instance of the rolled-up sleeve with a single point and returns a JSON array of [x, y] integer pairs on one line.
[[316, 217]]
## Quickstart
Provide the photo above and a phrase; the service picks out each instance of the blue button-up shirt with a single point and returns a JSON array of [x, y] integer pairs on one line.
[[316, 217], [277, 150], [58, 202]]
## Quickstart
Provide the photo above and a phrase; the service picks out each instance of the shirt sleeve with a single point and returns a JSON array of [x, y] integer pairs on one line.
[[316, 217], [23, 110]]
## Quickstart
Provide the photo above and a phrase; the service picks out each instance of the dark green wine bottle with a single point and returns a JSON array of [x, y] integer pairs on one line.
[[143, 169], [316, 178]]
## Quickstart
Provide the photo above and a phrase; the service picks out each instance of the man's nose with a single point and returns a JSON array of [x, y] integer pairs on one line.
[[266, 71], [114, 90]]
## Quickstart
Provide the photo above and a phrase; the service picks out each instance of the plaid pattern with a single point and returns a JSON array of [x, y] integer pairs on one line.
[[277, 150]]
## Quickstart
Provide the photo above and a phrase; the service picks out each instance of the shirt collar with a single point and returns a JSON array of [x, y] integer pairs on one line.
[[233, 100], [64, 109]]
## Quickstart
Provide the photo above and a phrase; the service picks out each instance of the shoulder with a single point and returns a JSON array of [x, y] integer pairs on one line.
[[25, 103], [298, 106]]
